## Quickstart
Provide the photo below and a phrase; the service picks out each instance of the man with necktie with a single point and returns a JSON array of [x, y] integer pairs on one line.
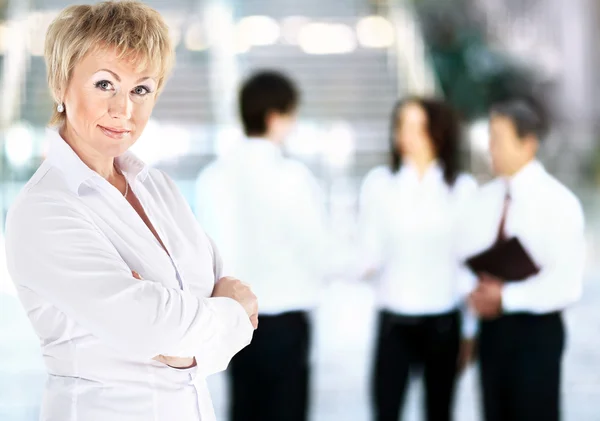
[[521, 333]]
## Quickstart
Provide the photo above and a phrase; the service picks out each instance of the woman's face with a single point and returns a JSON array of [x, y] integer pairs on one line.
[[412, 135], [107, 103]]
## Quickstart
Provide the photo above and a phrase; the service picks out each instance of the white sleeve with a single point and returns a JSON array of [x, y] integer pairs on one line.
[[60, 255], [560, 280]]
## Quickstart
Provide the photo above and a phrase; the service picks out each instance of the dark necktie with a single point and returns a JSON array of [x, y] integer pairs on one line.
[[501, 231]]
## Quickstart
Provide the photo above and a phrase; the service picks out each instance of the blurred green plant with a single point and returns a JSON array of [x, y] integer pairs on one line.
[[471, 74]]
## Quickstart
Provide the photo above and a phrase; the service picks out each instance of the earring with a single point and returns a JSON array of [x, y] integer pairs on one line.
[[60, 108]]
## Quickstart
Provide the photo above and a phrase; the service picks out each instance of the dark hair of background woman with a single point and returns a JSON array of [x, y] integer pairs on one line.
[[444, 130]]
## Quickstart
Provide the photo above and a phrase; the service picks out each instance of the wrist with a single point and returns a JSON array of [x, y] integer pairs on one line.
[[184, 364]]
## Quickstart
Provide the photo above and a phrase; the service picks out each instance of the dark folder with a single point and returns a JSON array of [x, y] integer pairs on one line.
[[507, 260]]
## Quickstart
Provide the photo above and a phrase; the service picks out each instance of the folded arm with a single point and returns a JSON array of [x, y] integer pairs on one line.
[[59, 254]]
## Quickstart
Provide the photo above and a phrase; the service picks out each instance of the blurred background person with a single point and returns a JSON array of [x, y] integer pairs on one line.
[[266, 213], [409, 214], [522, 335], [94, 219]]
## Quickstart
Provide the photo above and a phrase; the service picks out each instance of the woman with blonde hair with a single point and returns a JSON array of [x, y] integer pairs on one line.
[[123, 288]]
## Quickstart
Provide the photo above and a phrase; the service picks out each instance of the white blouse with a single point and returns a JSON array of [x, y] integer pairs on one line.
[[410, 235], [72, 240]]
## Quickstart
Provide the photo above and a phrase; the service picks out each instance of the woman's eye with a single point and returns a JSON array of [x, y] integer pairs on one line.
[[141, 90], [105, 85]]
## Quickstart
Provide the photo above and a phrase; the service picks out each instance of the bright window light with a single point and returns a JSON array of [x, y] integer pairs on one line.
[[305, 140], [479, 136], [19, 144], [339, 147], [162, 142], [151, 145]]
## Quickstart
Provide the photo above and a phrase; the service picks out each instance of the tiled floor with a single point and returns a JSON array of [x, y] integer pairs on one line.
[[342, 359]]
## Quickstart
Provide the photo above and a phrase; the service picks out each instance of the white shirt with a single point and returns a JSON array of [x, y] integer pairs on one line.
[[548, 220], [266, 214], [72, 240], [409, 231]]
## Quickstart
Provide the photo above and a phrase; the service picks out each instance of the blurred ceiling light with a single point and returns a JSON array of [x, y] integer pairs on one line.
[[258, 30], [290, 28], [325, 38], [196, 38], [19, 144], [375, 32]]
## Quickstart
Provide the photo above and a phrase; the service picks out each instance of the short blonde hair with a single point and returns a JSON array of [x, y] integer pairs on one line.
[[133, 29]]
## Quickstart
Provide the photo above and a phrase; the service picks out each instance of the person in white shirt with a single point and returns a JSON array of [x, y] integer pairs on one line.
[[521, 338], [123, 288], [266, 213], [408, 215]]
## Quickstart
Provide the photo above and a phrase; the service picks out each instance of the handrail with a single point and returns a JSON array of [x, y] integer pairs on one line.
[[416, 75]]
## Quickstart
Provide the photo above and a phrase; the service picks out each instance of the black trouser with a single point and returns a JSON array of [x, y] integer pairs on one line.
[[430, 343], [269, 379], [520, 364]]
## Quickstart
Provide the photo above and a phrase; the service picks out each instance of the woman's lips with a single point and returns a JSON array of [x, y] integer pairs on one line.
[[114, 133]]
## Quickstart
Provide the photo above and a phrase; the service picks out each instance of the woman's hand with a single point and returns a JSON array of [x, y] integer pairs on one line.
[[175, 362], [237, 290]]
